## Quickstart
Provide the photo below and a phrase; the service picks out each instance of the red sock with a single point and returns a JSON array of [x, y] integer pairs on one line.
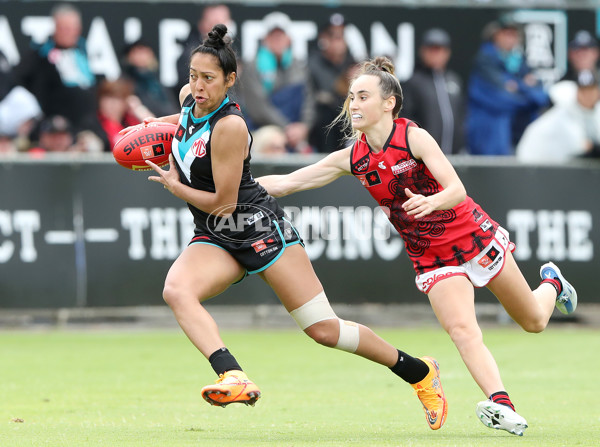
[[554, 283], [501, 397]]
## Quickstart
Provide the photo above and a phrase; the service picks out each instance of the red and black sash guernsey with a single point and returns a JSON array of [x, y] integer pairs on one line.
[[443, 238]]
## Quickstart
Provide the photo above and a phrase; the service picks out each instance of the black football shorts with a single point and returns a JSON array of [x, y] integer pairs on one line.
[[258, 249]]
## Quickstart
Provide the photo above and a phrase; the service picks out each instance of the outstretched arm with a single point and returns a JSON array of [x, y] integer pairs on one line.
[[312, 176]]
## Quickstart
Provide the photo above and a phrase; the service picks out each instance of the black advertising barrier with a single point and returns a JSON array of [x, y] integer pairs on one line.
[[374, 29], [96, 234]]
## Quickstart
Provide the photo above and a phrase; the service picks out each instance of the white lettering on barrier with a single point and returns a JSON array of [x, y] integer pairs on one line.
[[8, 46], [520, 223], [132, 29], [136, 221], [164, 225], [542, 29], [346, 232], [170, 33], [37, 27], [551, 235], [308, 222], [25, 223], [402, 49], [386, 246], [101, 52], [338, 233], [561, 235], [7, 248], [579, 226]]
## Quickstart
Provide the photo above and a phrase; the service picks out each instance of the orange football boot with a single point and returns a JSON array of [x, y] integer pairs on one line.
[[232, 386], [430, 393]]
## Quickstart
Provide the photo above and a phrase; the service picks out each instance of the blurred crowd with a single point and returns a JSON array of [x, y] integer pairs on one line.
[[52, 101]]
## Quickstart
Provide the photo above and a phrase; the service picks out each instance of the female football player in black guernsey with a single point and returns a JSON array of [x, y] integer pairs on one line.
[[240, 229]]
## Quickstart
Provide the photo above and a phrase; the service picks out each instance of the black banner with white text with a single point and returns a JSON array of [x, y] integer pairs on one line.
[[373, 30], [96, 234]]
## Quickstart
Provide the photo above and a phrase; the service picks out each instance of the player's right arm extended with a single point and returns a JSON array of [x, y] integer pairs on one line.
[[312, 176]]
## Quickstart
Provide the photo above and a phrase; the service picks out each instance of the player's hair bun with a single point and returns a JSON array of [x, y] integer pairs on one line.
[[216, 37], [384, 64]]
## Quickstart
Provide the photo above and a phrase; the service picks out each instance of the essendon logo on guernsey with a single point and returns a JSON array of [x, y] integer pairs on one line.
[[362, 164], [404, 166], [372, 178]]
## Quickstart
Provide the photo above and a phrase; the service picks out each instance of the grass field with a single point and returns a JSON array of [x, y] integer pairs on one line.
[[115, 389]]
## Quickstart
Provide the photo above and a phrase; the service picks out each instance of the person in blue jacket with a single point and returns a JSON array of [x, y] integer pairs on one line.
[[504, 96]]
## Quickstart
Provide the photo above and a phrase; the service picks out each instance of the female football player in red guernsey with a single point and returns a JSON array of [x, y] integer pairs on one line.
[[454, 245], [240, 230]]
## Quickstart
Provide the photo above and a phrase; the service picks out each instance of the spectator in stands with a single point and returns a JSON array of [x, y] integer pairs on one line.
[[7, 144], [329, 66], [269, 142], [211, 16], [117, 108], [567, 130], [58, 72], [433, 96], [19, 110], [141, 67], [55, 135], [583, 54], [274, 87], [503, 94]]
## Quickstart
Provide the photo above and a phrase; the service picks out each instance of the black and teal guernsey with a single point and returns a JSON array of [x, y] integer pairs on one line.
[[192, 151]]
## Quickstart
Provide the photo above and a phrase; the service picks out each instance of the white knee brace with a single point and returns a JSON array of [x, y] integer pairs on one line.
[[319, 309]]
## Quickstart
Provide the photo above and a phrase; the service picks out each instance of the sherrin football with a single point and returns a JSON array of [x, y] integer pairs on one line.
[[145, 142]]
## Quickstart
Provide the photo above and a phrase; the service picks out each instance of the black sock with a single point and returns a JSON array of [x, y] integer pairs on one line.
[[221, 361], [501, 397], [410, 369]]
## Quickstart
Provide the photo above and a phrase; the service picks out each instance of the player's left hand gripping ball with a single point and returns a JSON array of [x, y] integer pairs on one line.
[[145, 142]]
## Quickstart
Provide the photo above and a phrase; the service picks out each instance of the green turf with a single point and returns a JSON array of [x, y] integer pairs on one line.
[[115, 389]]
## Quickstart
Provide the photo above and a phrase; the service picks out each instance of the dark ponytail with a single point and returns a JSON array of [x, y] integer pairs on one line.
[[218, 43], [216, 37]]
